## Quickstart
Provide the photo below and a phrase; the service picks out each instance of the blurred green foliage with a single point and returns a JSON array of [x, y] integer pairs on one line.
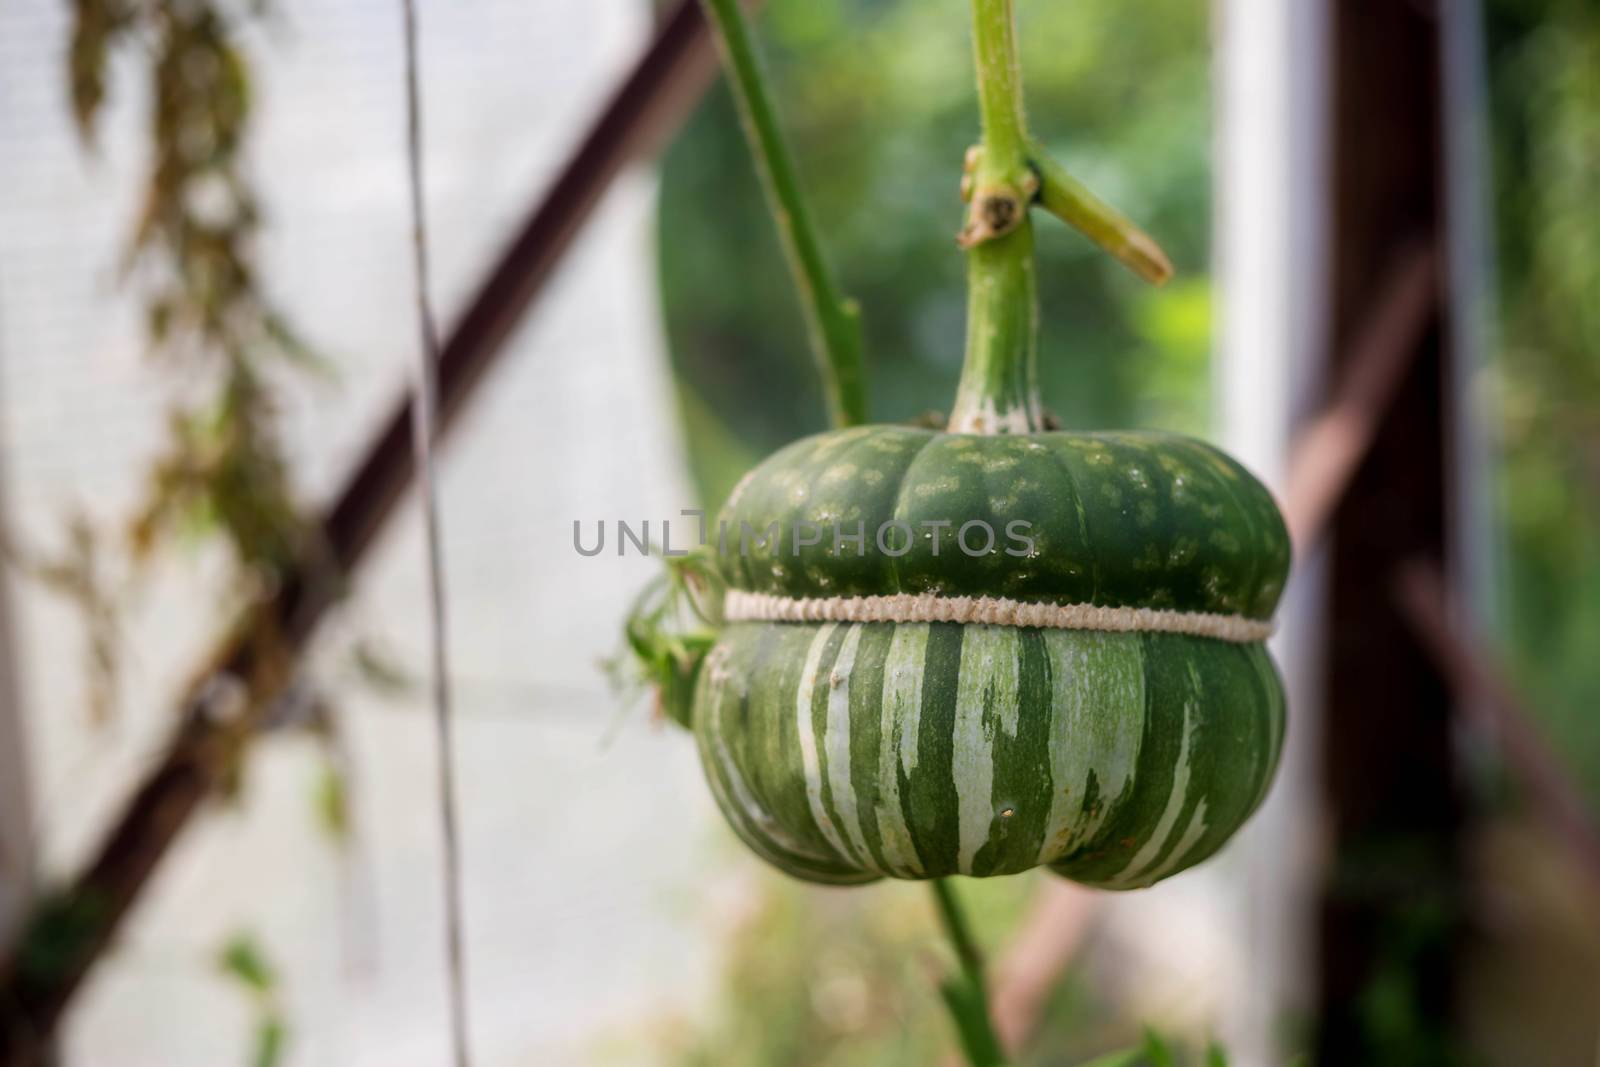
[[1544, 91], [243, 961], [878, 99], [821, 978]]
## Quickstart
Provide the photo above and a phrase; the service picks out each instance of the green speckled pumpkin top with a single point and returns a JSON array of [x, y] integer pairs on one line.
[[1110, 519]]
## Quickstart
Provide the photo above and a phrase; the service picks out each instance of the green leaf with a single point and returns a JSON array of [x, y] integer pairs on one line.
[[1216, 1055], [667, 635], [387, 678], [1156, 1050], [333, 803], [272, 1037], [243, 960]]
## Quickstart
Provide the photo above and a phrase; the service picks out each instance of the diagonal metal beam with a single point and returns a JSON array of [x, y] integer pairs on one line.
[[1327, 453], [1486, 695], [231, 696]]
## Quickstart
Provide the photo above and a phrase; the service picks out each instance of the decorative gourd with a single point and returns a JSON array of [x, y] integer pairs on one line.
[[1120, 738], [994, 648]]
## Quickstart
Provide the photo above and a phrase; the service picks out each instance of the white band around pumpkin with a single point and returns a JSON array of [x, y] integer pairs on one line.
[[743, 606]]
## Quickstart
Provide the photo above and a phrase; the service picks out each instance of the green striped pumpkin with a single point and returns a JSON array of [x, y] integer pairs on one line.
[[844, 751]]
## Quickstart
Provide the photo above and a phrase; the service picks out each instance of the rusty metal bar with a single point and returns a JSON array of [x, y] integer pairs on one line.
[[1332, 446], [1483, 693]]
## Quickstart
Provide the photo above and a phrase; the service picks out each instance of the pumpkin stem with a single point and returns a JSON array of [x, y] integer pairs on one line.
[[1004, 176], [999, 389]]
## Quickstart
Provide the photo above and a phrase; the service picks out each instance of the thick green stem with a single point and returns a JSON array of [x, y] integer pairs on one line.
[[994, 44], [999, 391], [967, 994], [833, 323]]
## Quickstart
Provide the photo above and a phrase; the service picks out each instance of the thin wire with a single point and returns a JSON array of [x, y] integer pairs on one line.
[[424, 408]]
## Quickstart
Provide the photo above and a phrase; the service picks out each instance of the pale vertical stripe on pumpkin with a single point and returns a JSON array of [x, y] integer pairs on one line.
[[1097, 689], [728, 785], [1176, 859], [1098, 702], [720, 769], [836, 747], [1135, 873], [808, 738], [986, 700], [901, 714]]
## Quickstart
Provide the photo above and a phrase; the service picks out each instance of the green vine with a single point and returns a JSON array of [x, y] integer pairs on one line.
[[966, 994], [833, 323]]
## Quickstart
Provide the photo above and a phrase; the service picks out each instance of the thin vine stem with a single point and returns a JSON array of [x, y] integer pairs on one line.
[[966, 995], [833, 322], [954, 920]]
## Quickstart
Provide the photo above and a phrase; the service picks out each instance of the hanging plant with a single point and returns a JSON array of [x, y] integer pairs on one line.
[[990, 646], [994, 646]]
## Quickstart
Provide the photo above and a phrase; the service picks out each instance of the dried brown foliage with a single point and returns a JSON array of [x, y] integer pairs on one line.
[[191, 254]]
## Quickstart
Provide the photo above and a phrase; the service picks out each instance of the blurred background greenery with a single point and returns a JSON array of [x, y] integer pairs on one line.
[[851, 979], [1544, 89]]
